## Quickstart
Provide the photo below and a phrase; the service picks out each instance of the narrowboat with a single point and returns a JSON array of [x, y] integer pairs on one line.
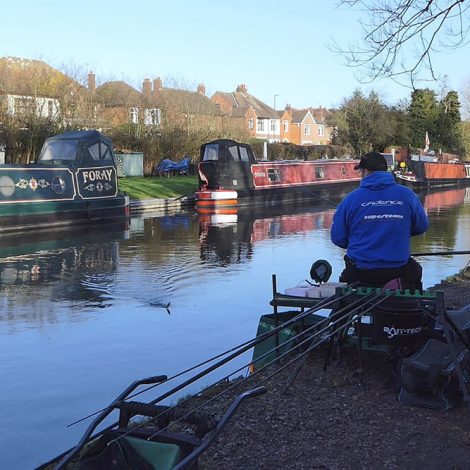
[[74, 180], [423, 172], [230, 176]]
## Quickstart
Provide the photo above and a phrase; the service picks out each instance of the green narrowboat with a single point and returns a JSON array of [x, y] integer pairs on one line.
[[74, 180]]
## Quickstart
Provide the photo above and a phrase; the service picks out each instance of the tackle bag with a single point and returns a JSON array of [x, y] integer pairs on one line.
[[428, 377]]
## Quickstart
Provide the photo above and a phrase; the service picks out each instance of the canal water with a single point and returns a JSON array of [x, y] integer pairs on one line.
[[85, 313]]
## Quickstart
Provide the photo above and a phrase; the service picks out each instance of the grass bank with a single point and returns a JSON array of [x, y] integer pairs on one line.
[[144, 187]]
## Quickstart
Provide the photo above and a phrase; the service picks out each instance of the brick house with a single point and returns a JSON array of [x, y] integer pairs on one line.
[[156, 105], [305, 126], [185, 108], [249, 113]]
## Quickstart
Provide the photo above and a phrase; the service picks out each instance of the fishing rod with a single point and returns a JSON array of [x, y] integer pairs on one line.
[[441, 253], [247, 346], [86, 437], [346, 312], [321, 305], [353, 317], [237, 351]]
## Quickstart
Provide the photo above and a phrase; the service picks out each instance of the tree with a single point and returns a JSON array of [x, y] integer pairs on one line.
[[448, 130], [364, 123], [401, 36], [422, 115]]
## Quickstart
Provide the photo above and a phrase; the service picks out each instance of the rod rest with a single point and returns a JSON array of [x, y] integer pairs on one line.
[[165, 415]]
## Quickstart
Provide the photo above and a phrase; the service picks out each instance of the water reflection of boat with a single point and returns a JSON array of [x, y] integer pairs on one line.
[[79, 261], [229, 238], [433, 201]]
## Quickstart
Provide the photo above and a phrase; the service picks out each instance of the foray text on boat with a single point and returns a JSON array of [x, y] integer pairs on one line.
[[94, 175]]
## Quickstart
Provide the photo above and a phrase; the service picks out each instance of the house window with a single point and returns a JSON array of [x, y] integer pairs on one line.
[[286, 125], [251, 123], [273, 125], [321, 131], [273, 175], [307, 129], [319, 172], [260, 125], [23, 105], [152, 117], [134, 115], [50, 108]]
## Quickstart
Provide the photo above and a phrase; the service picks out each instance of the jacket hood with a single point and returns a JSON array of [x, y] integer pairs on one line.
[[378, 180]]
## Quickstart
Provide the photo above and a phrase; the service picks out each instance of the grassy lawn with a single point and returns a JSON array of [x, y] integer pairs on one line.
[[140, 187]]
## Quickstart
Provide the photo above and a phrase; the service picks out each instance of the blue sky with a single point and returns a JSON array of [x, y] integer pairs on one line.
[[275, 48]]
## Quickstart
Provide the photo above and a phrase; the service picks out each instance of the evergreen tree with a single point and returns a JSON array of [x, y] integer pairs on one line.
[[422, 115], [448, 131]]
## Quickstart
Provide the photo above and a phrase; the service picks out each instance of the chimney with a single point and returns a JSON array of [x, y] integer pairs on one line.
[[201, 89], [242, 88], [147, 87], [91, 82], [157, 85]]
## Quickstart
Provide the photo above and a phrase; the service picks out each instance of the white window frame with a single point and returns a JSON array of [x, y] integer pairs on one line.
[[307, 129], [285, 123], [251, 123], [152, 117], [134, 115], [260, 125], [321, 131]]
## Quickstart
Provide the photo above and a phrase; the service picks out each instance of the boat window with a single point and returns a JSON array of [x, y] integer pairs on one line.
[[273, 175], [234, 152], [343, 170], [244, 154], [319, 172], [59, 150], [106, 153], [211, 152], [95, 151]]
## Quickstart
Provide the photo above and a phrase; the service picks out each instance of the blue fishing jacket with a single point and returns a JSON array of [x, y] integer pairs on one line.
[[376, 221]]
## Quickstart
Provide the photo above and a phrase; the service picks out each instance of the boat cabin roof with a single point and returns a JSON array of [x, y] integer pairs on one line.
[[226, 150], [79, 147]]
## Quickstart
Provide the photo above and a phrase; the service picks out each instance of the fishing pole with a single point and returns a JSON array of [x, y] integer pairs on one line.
[[347, 312], [353, 317], [442, 253], [247, 346], [321, 305]]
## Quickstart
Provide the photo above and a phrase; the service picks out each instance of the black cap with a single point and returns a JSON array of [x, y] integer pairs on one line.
[[372, 161]]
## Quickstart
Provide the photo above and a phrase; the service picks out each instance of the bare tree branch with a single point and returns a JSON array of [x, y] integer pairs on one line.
[[400, 37]]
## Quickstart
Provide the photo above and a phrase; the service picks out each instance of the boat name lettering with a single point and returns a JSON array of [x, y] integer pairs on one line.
[[392, 331], [382, 203], [259, 173], [97, 175]]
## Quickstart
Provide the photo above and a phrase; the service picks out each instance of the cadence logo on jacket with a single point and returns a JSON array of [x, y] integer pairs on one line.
[[382, 203]]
